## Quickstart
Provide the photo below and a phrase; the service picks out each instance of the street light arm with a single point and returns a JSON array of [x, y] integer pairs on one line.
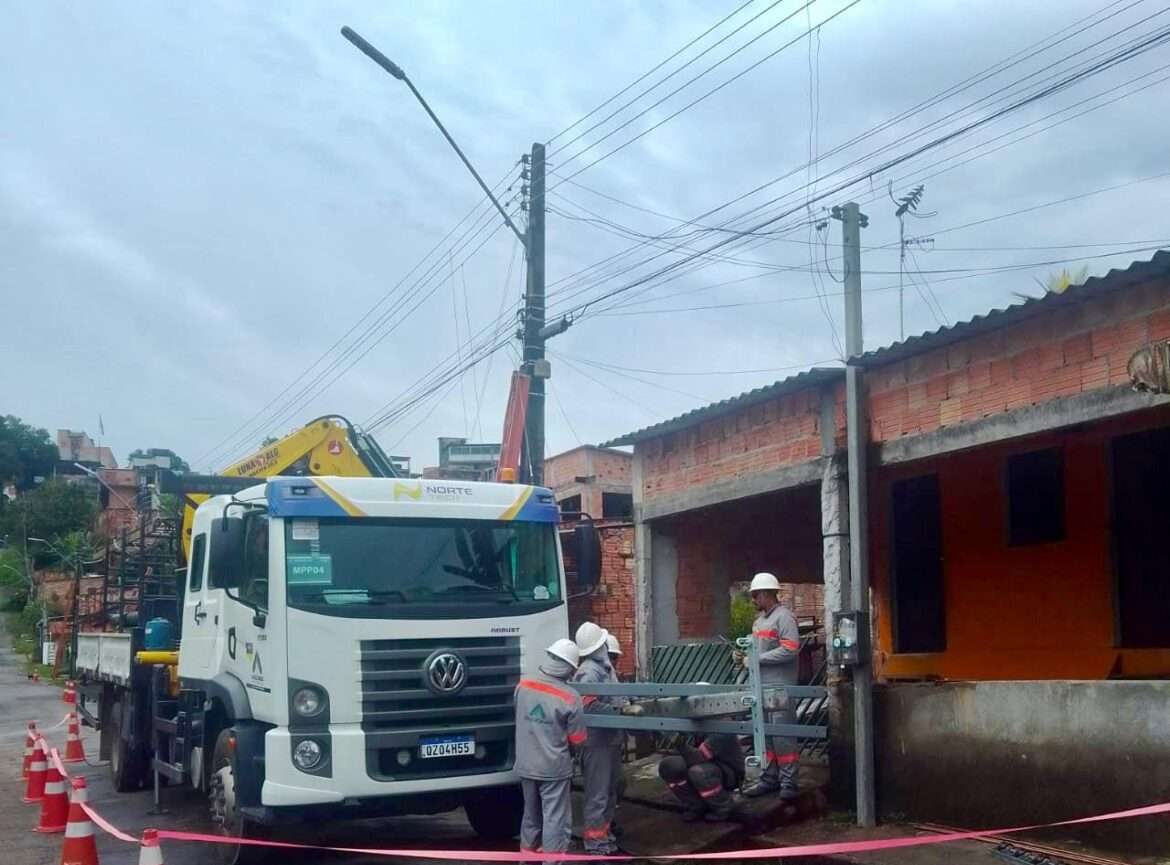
[[395, 70]]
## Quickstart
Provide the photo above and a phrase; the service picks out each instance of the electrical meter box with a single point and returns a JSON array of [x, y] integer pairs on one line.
[[849, 640]]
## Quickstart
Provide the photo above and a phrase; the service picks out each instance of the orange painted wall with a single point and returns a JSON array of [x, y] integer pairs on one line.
[[1035, 612]]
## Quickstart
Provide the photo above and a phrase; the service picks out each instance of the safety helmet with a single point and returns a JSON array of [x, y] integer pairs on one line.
[[764, 582], [566, 650], [590, 637], [612, 645]]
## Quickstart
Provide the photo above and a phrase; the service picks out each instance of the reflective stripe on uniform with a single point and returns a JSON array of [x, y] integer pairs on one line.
[[711, 791], [577, 738], [782, 759], [770, 634], [705, 750], [597, 832], [789, 644], [547, 689]]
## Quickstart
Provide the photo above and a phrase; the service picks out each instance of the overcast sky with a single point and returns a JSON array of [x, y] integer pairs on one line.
[[198, 201]]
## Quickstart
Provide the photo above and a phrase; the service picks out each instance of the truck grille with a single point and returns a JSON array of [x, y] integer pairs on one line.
[[398, 708]]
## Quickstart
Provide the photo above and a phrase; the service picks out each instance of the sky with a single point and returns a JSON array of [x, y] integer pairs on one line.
[[219, 220]]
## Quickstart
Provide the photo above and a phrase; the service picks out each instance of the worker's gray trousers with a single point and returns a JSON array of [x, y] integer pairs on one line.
[[548, 816], [782, 759], [599, 766]]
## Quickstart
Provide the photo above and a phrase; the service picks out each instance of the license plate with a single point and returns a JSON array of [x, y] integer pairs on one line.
[[451, 746]]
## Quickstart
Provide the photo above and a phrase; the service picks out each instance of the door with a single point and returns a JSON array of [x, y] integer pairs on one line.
[[1141, 517], [199, 618]]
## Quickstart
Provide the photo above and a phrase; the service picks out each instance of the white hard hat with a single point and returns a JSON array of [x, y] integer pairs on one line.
[[590, 637], [764, 582], [612, 645], [566, 650]]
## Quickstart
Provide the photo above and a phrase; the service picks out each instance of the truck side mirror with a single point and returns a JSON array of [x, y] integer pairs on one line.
[[588, 550], [226, 557]]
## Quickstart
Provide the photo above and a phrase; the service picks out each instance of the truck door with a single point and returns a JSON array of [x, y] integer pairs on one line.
[[200, 613]]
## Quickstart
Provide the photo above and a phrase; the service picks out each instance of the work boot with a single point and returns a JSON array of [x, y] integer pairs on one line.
[[762, 787], [788, 792]]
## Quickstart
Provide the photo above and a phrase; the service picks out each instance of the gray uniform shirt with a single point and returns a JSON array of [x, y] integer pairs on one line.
[[777, 640], [596, 668], [548, 721]]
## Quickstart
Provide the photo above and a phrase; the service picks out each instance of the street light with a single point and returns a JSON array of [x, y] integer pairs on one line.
[[395, 70], [101, 481]]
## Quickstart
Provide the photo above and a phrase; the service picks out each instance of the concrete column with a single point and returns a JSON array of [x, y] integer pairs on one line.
[[835, 546]]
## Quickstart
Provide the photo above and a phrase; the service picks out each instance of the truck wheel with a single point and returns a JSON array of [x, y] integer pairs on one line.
[[495, 813], [226, 814], [127, 765]]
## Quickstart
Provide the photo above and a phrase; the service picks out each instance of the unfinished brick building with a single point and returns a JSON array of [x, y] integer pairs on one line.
[[1020, 577]]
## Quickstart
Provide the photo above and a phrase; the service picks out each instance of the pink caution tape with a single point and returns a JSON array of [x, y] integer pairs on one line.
[[769, 853], [106, 826]]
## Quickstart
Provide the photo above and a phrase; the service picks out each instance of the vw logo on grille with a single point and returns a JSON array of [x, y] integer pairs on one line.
[[445, 672]]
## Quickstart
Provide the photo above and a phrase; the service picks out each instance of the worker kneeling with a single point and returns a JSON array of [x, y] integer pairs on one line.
[[702, 776], [548, 726]]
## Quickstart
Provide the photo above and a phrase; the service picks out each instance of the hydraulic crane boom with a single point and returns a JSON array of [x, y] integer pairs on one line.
[[328, 445]]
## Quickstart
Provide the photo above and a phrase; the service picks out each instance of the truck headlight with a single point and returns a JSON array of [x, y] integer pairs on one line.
[[308, 702], [307, 755]]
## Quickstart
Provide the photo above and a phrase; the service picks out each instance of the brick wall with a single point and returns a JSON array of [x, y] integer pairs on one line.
[[782, 431], [722, 547], [1069, 350], [612, 606], [608, 471]]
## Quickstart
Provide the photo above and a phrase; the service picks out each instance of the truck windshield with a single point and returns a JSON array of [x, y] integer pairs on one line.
[[361, 567]]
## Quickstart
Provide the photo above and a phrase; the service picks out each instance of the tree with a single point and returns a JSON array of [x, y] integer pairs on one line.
[[52, 510], [26, 453], [177, 463]]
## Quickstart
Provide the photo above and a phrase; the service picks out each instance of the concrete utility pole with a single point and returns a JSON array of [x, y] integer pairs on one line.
[[852, 221], [534, 334]]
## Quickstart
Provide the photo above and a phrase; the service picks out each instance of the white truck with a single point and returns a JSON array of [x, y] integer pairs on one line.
[[346, 646]]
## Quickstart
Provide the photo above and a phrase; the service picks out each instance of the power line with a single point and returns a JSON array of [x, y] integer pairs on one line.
[[249, 429], [651, 71], [663, 80]]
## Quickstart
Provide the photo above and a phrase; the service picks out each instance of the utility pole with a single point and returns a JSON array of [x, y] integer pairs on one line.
[[535, 363], [857, 437]]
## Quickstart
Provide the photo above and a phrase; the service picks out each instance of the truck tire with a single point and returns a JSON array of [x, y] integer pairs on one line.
[[495, 813], [127, 764], [226, 815]]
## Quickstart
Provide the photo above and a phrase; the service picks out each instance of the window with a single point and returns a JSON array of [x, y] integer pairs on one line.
[[617, 506], [570, 508], [447, 568], [1035, 494], [919, 607], [254, 588], [198, 554]]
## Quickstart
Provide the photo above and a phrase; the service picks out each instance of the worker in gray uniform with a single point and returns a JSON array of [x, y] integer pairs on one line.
[[776, 640], [614, 649], [702, 775], [549, 726], [599, 757]]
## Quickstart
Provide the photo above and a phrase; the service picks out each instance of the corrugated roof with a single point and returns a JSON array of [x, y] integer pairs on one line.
[[808, 378], [1139, 271]]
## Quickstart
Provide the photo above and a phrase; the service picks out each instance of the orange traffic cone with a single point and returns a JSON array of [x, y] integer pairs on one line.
[[150, 853], [34, 791], [79, 847], [69, 696], [55, 804], [30, 740], [74, 752]]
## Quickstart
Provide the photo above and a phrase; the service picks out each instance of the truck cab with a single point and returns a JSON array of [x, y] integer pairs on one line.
[[353, 645]]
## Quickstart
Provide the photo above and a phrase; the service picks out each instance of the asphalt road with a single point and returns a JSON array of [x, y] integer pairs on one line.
[[22, 701]]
